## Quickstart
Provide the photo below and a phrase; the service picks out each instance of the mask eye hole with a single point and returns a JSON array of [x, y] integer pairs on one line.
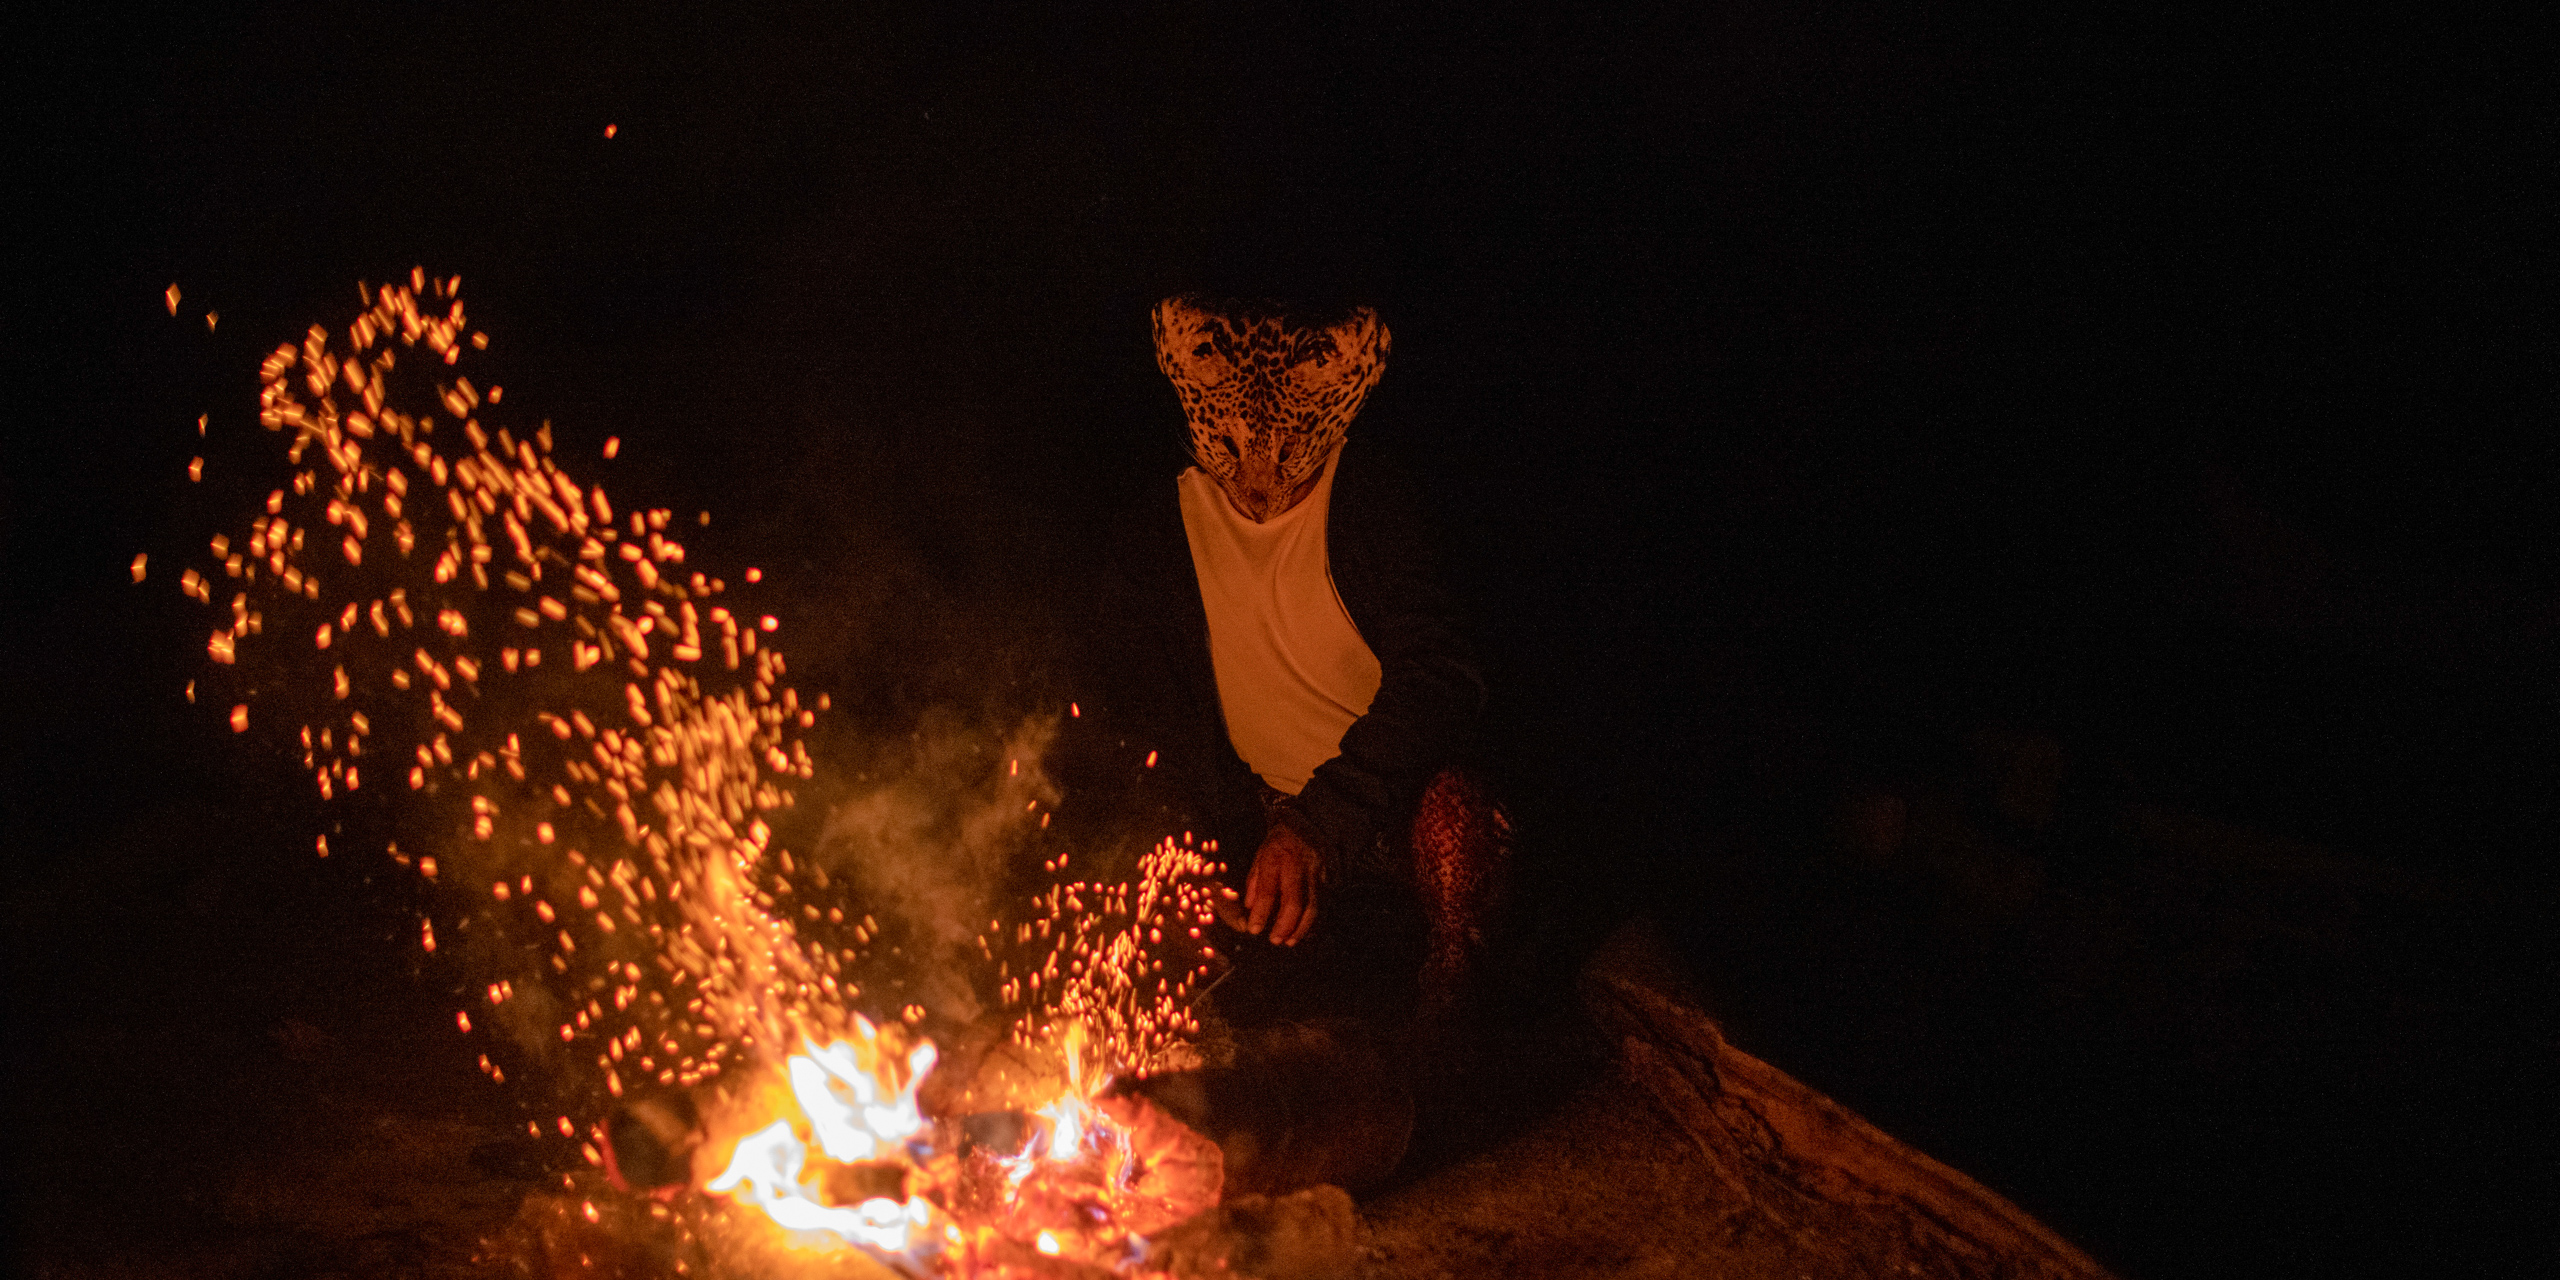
[[1200, 363]]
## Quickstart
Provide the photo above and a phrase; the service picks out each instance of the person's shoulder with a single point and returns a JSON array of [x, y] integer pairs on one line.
[[1378, 486], [1388, 453]]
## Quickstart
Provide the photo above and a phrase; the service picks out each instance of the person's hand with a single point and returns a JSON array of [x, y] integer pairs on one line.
[[1280, 890]]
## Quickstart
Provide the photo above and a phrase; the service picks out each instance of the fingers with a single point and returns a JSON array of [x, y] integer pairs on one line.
[[1286, 918], [1296, 898], [1258, 894], [1306, 921], [1280, 894]]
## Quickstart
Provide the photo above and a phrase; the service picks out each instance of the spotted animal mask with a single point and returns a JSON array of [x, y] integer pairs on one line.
[[1268, 399]]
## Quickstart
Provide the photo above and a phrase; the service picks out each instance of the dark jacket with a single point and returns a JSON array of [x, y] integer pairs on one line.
[[1160, 693]]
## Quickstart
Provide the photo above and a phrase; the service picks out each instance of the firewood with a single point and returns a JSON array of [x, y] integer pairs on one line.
[[1805, 1166]]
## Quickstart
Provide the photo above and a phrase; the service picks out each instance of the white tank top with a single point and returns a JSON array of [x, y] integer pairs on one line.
[[1292, 670]]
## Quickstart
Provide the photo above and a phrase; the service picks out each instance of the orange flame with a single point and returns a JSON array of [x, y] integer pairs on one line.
[[684, 958]]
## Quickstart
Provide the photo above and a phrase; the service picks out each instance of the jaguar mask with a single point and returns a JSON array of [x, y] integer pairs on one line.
[[1268, 398]]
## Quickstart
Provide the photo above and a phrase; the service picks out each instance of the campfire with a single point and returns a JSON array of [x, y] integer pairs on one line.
[[583, 743]]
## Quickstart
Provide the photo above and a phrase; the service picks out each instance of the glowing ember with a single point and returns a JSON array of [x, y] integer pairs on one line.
[[850, 1161], [615, 806]]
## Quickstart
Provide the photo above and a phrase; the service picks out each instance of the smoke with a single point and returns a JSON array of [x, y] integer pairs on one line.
[[932, 836]]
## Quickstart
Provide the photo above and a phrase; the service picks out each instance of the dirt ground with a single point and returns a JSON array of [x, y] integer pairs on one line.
[[395, 1166], [2206, 1045]]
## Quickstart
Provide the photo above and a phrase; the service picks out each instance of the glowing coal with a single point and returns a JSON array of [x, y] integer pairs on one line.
[[588, 745]]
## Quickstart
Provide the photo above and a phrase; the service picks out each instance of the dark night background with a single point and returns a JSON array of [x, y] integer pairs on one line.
[[2021, 539]]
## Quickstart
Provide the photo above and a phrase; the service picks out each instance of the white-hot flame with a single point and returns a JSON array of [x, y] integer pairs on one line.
[[768, 1168], [843, 1102], [854, 1116], [1066, 1127]]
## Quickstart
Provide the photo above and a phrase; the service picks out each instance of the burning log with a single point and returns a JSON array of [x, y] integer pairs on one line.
[[610, 830], [1180, 1170], [648, 1144], [1838, 1188]]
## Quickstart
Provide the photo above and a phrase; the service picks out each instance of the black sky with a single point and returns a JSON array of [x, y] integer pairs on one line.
[[2175, 385], [1895, 309]]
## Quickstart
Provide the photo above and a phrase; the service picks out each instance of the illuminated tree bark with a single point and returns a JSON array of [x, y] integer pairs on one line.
[[1844, 1193]]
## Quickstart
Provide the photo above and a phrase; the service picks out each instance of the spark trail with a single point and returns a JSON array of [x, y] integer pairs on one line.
[[585, 747]]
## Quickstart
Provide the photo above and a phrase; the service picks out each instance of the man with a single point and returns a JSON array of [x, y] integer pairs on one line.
[[1281, 648]]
